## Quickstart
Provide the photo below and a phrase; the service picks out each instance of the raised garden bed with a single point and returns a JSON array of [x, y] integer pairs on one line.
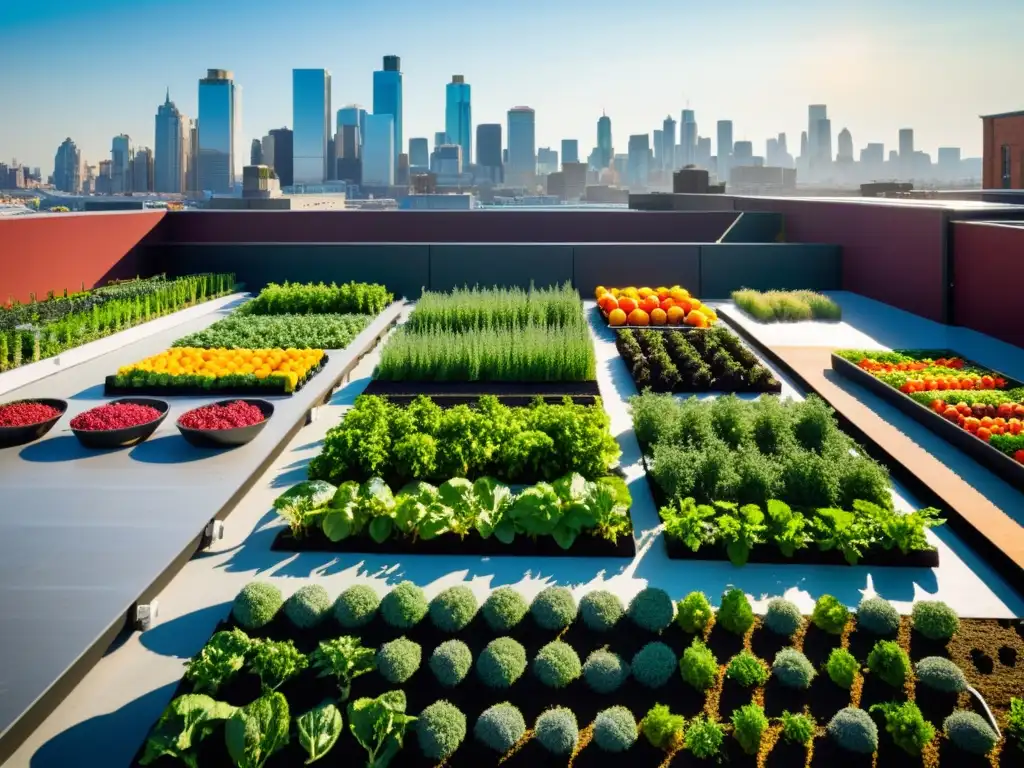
[[700, 685], [786, 306], [240, 331], [655, 307], [508, 392], [1007, 460]]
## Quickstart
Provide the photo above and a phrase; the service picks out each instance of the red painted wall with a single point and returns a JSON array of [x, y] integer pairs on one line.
[[987, 262], [891, 253], [999, 132], [40, 253]]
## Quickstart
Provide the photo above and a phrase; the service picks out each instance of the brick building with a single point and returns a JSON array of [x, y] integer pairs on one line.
[[1004, 151]]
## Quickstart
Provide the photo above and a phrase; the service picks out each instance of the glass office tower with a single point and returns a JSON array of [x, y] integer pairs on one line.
[[379, 151], [387, 99], [219, 119], [605, 150], [352, 114], [522, 154], [311, 110], [458, 124]]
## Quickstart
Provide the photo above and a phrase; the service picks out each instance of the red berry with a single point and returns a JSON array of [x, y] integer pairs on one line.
[[231, 416], [115, 416], [25, 414]]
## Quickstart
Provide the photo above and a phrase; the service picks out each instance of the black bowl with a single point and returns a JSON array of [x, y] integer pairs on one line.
[[228, 438], [122, 438], [11, 436]]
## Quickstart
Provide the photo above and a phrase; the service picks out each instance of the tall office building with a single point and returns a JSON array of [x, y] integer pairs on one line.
[[522, 154], [702, 154], [419, 153], [387, 99], [348, 158], [804, 146], [121, 164], [815, 113], [256, 153], [220, 105], [845, 146], [688, 139], [570, 151], [605, 148], [458, 117], [311, 125], [949, 162], [488, 150], [725, 149], [906, 163], [379, 157], [657, 150], [352, 114], [267, 150], [142, 170], [547, 161], [638, 162], [283, 155], [824, 154], [67, 167], [668, 142], [170, 162], [742, 154]]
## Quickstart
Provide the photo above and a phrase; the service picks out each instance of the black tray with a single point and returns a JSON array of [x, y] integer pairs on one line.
[[111, 389], [12, 436], [998, 462], [122, 438], [227, 438]]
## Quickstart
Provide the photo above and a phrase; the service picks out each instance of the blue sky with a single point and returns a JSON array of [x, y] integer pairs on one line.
[[93, 69]]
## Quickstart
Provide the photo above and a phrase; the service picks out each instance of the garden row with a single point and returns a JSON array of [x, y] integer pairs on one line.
[[786, 306], [448, 680]]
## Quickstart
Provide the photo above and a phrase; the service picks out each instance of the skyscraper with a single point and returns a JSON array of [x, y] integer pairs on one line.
[[638, 164], [488, 150], [824, 155], [804, 145], [142, 170], [379, 157], [348, 154], [267, 150], [220, 102], [121, 164], [311, 128], [458, 119], [283, 155], [658, 150], [668, 142], [688, 139], [170, 162], [906, 169], [702, 154], [547, 161], [387, 100], [570, 151], [67, 167], [725, 149], [815, 113], [352, 114], [419, 153], [742, 154], [605, 148], [845, 142], [522, 155], [256, 153]]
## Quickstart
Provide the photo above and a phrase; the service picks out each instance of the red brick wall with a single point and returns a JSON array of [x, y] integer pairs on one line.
[[988, 260], [40, 253], [999, 132]]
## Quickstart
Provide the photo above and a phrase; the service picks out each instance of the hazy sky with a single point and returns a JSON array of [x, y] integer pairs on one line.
[[91, 69]]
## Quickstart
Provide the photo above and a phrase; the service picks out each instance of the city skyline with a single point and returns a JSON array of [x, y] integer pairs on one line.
[[854, 45]]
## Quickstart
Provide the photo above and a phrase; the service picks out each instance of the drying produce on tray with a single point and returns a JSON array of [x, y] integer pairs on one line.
[[653, 306]]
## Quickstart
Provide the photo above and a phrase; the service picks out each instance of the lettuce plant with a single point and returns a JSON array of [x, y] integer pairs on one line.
[[219, 660], [302, 503], [258, 730], [741, 529], [187, 720], [343, 659], [379, 726], [319, 730], [275, 662]]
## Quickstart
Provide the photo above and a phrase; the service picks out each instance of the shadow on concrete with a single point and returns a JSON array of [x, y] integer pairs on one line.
[[60, 448], [185, 635], [95, 392], [172, 449]]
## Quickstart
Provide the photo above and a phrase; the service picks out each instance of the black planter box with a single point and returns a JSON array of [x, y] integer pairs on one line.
[[112, 389], [513, 393], [998, 462]]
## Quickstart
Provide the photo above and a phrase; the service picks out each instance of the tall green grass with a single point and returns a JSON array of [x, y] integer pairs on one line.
[[475, 309], [786, 306]]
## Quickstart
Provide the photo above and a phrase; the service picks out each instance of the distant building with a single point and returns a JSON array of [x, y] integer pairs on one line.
[[121, 164], [547, 161], [570, 183], [311, 125], [725, 148], [172, 148], [67, 168], [446, 161], [352, 114], [743, 154], [419, 153], [845, 142], [283, 143], [267, 150], [638, 169], [1003, 159], [815, 154], [688, 139], [458, 117], [605, 148], [220, 119], [440, 137], [668, 144], [872, 160], [348, 148], [906, 153], [702, 156], [949, 162], [433, 202], [256, 153], [570, 151], [378, 151], [387, 100], [522, 157], [488, 150], [142, 170]]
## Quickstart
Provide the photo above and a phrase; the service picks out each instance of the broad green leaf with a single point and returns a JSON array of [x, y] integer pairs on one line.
[[536, 510], [570, 488], [258, 730], [578, 516], [457, 493], [491, 496], [423, 492], [311, 494], [564, 536], [738, 552], [346, 495], [319, 730], [409, 512], [484, 524], [505, 531], [380, 529], [375, 498], [339, 524], [187, 720], [438, 520]]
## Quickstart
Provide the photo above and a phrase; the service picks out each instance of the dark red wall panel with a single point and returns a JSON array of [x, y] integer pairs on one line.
[[40, 253], [987, 263], [891, 253]]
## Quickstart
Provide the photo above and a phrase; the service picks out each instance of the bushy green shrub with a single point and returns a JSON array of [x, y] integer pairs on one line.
[[663, 729], [735, 614], [699, 667], [501, 663], [404, 606], [601, 610], [398, 660], [830, 615], [853, 729], [504, 609], [704, 738], [797, 729], [557, 664], [934, 619], [940, 674], [308, 606], [1015, 722], [553, 608], [793, 669], [440, 729], [878, 616], [450, 662], [356, 606], [557, 731], [256, 605], [749, 724], [694, 613], [453, 608], [842, 667], [605, 671], [615, 729], [907, 726], [747, 670], [653, 665], [652, 609], [500, 727], [889, 662], [970, 731], [782, 617]]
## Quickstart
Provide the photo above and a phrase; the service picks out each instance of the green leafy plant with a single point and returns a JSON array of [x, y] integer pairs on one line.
[[934, 619], [500, 727], [747, 670], [308, 606], [601, 610], [404, 606], [615, 729], [185, 722], [786, 306], [749, 724], [889, 662], [501, 663], [789, 530], [557, 730], [356, 606], [653, 665], [690, 523], [907, 726], [326, 331], [853, 730], [379, 725], [453, 609], [830, 615], [663, 729], [450, 662], [699, 667], [275, 661], [694, 613], [604, 671], [798, 728], [971, 732], [344, 659], [652, 609], [704, 738], [440, 729], [504, 609], [557, 664], [398, 660], [842, 667], [221, 658], [258, 730], [554, 608], [793, 669], [741, 529], [318, 730], [878, 616], [301, 504], [940, 674], [256, 604], [735, 614], [782, 617], [318, 299], [1015, 722]]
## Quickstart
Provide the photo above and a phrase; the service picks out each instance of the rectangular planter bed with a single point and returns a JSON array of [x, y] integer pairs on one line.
[[508, 392], [112, 389], [604, 318], [768, 554], [996, 461]]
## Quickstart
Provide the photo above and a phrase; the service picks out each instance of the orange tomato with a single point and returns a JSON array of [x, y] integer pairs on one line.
[[666, 303], [607, 302], [631, 292], [675, 315], [617, 317], [658, 317], [638, 317], [679, 294], [696, 319], [627, 304], [649, 304], [645, 292], [600, 290], [662, 291], [984, 433]]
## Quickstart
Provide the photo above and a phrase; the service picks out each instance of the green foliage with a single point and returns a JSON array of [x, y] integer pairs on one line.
[[604, 671], [699, 667], [934, 619], [842, 667], [694, 613], [940, 674], [704, 738], [398, 660], [450, 662], [440, 729], [652, 609], [735, 614], [281, 332], [221, 658], [878, 616], [663, 729], [557, 664], [478, 309], [554, 608], [740, 529], [318, 730], [970, 731], [258, 730], [185, 722], [500, 727], [615, 729], [356, 606], [256, 604], [749, 724], [907, 726], [344, 659], [830, 615], [797, 729], [1015, 722], [782, 617], [504, 609], [379, 725], [853, 729], [501, 663], [300, 505], [889, 662], [786, 306], [653, 665], [308, 606], [747, 670], [453, 609], [275, 661], [404, 606], [557, 731], [793, 669], [318, 299], [601, 610]]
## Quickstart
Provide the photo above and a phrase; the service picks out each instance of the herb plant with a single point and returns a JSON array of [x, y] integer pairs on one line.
[[319, 730], [344, 659], [187, 720], [275, 661], [258, 730], [221, 658], [907, 726], [379, 725]]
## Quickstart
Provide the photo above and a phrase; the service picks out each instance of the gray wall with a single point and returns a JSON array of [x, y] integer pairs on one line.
[[455, 266], [755, 227], [725, 268], [620, 265]]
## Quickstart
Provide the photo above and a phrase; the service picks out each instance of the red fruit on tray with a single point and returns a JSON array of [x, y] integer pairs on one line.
[[231, 416], [26, 414], [1019, 456], [114, 416]]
